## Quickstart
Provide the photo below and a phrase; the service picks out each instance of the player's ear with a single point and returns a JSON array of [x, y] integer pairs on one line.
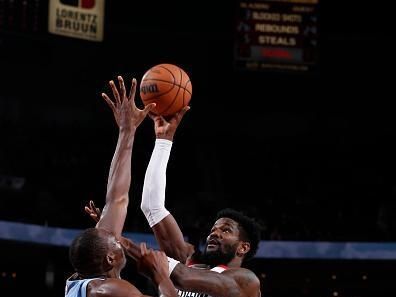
[[243, 249], [110, 258]]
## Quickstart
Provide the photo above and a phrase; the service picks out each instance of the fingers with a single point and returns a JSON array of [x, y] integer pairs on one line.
[[186, 108], [94, 209], [120, 95], [148, 108], [115, 92], [182, 112], [160, 120], [156, 118], [91, 208], [132, 92], [108, 101], [177, 117], [122, 87], [143, 248], [87, 210]]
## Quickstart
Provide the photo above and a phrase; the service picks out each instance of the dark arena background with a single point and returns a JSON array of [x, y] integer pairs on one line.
[[291, 122]]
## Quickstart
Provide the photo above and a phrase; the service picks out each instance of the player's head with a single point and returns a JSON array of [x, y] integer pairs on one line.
[[233, 235], [95, 252]]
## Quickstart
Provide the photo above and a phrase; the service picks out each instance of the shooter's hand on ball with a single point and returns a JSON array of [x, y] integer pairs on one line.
[[166, 128]]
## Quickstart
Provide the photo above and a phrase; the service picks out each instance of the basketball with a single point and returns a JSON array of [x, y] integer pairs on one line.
[[168, 86]]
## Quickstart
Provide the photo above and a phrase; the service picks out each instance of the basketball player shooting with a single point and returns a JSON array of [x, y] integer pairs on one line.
[[232, 240]]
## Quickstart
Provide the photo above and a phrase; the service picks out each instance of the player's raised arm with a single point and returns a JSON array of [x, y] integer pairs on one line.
[[128, 117], [166, 230]]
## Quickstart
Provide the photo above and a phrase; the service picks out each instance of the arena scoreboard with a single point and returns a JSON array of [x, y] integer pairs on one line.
[[277, 35]]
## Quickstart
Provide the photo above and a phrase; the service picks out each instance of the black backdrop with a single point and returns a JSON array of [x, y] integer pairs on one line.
[[315, 150]]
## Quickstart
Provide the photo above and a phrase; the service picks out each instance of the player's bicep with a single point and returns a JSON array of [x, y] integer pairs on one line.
[[171, 240]]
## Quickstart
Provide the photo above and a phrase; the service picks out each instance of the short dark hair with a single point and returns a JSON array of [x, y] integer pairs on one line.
[[87, 251], [250, 229]]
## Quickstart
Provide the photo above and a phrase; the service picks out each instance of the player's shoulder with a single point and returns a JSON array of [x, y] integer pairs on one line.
[[111, 287]]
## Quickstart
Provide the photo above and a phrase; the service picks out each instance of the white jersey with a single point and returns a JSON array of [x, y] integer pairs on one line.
[[218, 269]]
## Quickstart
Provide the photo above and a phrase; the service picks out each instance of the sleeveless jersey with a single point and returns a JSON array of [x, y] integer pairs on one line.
[[218, 269], [77, 288]]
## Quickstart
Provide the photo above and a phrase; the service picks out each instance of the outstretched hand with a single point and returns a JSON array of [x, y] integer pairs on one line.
[[125, 111], [166, 128]]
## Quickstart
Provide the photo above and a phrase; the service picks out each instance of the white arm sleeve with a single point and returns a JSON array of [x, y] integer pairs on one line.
[[153, 197]]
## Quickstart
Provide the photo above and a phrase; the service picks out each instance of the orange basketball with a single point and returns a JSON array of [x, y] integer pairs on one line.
[[168, 86]]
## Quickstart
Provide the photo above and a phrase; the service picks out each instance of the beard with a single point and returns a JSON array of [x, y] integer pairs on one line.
[[223, 255]]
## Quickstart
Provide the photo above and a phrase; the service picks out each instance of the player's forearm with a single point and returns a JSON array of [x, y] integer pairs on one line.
[[119, 179], [153, 196], [115, 210], [167, 232]]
